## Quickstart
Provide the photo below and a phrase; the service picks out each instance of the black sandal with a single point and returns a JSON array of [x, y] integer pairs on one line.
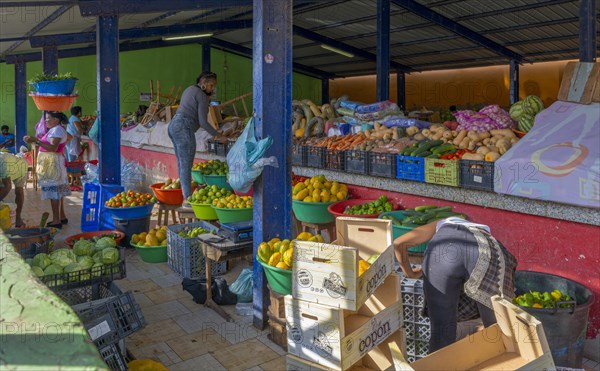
[[64, 221], [57, 225]]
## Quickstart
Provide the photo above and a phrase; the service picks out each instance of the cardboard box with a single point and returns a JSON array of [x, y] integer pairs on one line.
[[516, 342], [328, 273], [379, 358], [336, 338]]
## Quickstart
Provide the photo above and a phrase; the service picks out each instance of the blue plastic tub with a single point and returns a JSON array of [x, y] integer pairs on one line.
[[64, 87], [130, 212]]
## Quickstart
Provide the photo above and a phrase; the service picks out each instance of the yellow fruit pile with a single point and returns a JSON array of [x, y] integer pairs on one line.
[[319, 189], [233, 201], [278, 253], [155, 237]]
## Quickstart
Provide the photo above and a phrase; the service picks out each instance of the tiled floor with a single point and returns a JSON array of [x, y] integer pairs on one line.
[[181, 334]]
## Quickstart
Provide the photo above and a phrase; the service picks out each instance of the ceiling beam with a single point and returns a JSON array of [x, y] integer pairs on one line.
[[21, 4], [307, 34], [457, 28], [135, 33], [247, 52]]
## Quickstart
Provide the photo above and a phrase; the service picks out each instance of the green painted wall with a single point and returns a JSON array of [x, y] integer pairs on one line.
[[174, 66]]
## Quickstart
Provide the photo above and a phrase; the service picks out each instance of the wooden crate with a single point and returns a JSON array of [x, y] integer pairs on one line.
[[328, 273], [516, 342], [580, 83], [379, 358], [277, 306], [337, 338], [277, 330]]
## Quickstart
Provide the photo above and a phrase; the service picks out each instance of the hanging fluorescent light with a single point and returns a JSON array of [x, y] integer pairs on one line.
[[336, 50], [187, 37]]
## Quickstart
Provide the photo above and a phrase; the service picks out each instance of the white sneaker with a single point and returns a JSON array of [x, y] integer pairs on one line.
[[186, 205]]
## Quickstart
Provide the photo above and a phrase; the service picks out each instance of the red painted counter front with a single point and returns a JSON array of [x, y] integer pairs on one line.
[[564, 248]]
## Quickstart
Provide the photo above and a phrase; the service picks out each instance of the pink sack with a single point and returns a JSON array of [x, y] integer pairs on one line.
[[40, 128]]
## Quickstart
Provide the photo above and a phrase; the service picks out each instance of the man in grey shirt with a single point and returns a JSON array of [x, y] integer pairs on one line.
[[191, 116]]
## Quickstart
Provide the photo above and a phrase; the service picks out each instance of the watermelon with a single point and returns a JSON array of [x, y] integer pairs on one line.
[[532, 104], [516, 110], [526, 122]]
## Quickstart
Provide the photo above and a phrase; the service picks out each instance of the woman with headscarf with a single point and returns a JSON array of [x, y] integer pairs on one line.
[[51, 167]]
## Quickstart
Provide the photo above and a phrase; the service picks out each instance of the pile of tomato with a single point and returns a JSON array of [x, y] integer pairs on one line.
[[456, 155], [130, 199]]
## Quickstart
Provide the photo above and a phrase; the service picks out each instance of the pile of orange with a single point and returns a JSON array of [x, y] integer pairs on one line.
[[130, 199]]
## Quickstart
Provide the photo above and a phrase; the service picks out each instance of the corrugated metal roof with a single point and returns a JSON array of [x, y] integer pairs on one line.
[[539, 30]]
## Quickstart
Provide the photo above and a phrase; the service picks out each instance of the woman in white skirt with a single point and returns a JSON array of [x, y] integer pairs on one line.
[[51, 166]]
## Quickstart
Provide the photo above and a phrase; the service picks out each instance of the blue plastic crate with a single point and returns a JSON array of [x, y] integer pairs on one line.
[[94, 216], [410, 168]]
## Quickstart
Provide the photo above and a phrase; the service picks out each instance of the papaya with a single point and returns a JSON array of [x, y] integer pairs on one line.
[[265, 251], [277, 246], [301, 195], [273, 240], [282, 265], [288, 257], [274, 259], [304, 236], [285, 245], [319, 238]]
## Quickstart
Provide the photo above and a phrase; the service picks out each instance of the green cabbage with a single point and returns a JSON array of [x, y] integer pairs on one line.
[[105, 242], [63, 257], [73, 267], [86, 262], [83, 247], [97, 270], [29, 261], [53, 269], [41, 260], [110, 255], [37, 271], [97, 257]]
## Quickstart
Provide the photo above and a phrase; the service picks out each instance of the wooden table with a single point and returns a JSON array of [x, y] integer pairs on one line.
[[217, 249]]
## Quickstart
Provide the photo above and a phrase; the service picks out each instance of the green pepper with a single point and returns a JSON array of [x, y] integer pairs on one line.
[[529, 299], [388, 207], [523, 302]]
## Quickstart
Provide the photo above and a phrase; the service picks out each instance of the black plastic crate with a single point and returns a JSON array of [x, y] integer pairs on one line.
[[212, 146], [87, 277], [477, 174], [298, 155], [382, 164], [356, 162], [219, 148], [334, 159], [84, 294], [315, 157], [110, 319]]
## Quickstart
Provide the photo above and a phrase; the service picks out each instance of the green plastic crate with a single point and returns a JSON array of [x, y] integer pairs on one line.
[[444, 172]]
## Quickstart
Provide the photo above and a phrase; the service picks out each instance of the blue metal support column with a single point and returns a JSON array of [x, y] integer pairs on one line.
[[587, 30], [325, 91], [401, 89], [383, 50], [206, 57], [20, 104], [514, 81], [272, 80], [107, 79], [50, 60]]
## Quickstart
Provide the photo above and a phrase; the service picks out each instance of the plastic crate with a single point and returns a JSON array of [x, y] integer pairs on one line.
[[185, 254], [93, 214], [382, 164], [212, 146], [416, 326], [111, 319], [477, 174], [112, 356], [315, 157], [410, 168], [84, 294], [334, 160], [445, 172], [86, 277], [298, 155], [356, 162]]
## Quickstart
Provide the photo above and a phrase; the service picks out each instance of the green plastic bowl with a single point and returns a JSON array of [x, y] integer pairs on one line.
[[198, 177], [279, 279], [204, 211], [398, 230], [312, 212], [233, 215], [218, 180], [152, 254]]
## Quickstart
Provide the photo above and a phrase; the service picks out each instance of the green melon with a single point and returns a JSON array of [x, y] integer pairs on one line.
[[532, 104], [516, 110]]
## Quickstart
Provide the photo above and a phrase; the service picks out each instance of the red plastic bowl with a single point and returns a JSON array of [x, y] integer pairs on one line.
[[70, 241], [167, 196], [338, 208]]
